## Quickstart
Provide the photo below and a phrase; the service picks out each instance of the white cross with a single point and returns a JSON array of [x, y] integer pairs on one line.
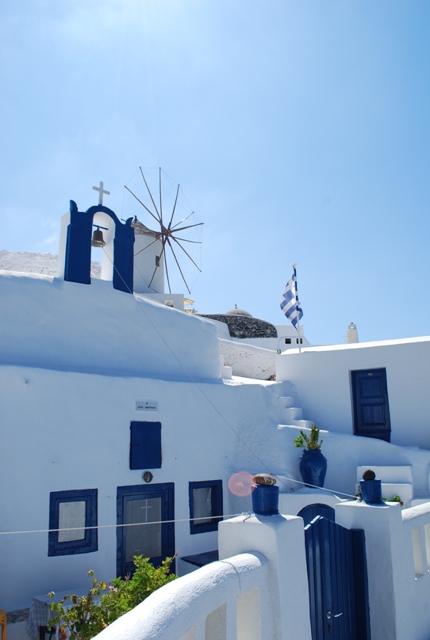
[[146, 507], [101, 192]]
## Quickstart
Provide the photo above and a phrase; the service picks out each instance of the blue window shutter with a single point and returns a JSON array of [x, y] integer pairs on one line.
[[145, 445]]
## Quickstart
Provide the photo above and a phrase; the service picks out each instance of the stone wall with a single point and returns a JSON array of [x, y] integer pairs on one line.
[[244, 326]]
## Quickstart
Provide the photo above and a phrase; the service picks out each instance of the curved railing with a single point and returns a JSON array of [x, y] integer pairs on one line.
[[226, 599]]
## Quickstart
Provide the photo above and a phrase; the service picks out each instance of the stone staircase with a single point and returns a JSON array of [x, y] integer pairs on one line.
[[291, 415]]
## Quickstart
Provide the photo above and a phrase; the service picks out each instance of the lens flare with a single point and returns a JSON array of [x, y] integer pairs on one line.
[[240, 484]]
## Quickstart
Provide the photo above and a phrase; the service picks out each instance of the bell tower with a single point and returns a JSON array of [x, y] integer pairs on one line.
[[74, 255]]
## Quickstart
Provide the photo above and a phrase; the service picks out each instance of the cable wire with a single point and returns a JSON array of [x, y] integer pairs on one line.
[[210, 401], [118, 525], [140, 524]]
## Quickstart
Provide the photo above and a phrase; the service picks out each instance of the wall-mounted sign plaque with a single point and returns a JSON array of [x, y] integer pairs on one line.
[[146, 405]]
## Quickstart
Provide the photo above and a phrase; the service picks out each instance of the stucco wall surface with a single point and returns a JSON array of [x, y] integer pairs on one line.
[[67, 430], [248, 361], [322, 379], [344, 453], [51, 323], [275, 536]]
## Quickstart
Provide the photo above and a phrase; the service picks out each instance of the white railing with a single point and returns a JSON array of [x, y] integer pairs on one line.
[[416, 526], [226, 600], [412, 561]]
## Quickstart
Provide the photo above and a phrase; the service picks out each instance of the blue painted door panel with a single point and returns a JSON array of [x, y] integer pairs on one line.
[[370, 404], [333, 577], [310, 512], [150, 511]]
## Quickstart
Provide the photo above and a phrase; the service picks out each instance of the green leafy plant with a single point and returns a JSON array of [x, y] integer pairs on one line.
[[82, 618], [394, 499], [310, 441]]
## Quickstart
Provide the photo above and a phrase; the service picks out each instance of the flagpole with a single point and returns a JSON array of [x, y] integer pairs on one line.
[[297, 305]]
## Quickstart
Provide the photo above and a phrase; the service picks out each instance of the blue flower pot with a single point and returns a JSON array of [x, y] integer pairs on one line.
[[313, 467], [372, 492], [265, 500]]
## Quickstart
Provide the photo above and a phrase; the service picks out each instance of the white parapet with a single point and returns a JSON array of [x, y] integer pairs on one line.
[[398, 564], [257, 591], [281, 540], [225, 599]]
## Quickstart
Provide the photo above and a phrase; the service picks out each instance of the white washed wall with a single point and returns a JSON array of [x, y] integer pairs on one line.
[[64, 430], [65, 325], [321, 376], [247, 360]]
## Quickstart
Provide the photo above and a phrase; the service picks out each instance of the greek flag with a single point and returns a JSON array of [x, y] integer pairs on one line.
[[290, 301]]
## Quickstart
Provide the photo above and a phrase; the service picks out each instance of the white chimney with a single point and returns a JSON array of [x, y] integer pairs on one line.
[[351, 334]]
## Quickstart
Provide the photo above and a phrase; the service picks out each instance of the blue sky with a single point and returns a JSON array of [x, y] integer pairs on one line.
[[299, 131]]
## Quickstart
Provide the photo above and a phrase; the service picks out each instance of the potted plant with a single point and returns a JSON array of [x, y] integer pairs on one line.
[[371, 489], [312, 465]]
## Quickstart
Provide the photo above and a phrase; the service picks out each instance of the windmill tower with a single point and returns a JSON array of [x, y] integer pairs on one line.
[[148, 262], [152, 266]]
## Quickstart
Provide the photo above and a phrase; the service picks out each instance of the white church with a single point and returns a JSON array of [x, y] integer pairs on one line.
[[118, 409]]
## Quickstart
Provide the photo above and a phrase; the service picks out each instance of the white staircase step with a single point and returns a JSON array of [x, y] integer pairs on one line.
[[226, 372], [285, 402], [391, 489], [291, 415], [396, 480], [304, 424], [388, 473]]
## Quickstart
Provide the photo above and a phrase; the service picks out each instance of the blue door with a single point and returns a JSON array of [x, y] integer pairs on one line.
[[146, 513], [370, 403], [337, 574], [309, 512]]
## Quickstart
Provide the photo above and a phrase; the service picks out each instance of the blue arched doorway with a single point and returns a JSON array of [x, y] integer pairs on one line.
[[311, 511]]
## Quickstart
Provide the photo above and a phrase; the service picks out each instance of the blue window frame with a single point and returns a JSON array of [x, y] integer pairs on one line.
[[205, 505], [70, 513], [145, 445], [152, 506]]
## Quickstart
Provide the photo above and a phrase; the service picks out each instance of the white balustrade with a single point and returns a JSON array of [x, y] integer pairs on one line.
[[224, 600], [416, 528]]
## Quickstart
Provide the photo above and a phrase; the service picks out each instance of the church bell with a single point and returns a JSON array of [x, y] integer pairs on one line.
[[98, 240]]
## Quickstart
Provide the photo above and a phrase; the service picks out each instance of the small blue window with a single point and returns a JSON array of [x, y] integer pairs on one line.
[[205, 505], [71, 513], [145, 445]]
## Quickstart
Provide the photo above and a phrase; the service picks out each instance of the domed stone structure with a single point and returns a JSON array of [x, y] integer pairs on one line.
[[238, 312], [241, 324]]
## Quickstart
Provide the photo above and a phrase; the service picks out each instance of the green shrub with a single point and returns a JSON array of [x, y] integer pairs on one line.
[[310, 441], [104, 603]]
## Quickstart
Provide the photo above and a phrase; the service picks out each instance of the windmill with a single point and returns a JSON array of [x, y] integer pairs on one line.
[[152, 247]]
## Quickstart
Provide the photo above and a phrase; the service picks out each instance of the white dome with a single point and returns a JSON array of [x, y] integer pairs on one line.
[[238, 312]]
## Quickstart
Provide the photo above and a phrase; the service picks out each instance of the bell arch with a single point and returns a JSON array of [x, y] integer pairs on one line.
[[77, 267]]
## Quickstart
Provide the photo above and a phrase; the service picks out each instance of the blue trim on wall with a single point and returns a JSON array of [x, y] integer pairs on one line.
[[217, 506], [166, 491], [90, 542], [77, 266]]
